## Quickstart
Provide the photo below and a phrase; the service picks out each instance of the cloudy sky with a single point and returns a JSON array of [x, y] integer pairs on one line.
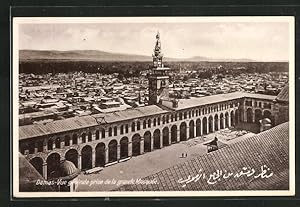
[[252, 40]]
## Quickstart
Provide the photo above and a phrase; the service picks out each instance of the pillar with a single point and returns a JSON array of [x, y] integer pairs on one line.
[[178, 134], [45, 170], [229, 120], [152, 143], [118, 152], [130, 149], [207, 126], [201, 128], [106, 155], [253, 117], [142, 145], [93, 158], [187, 132], [79, 161], [161, 140], [213, 124], [170, 136], [71, 141]]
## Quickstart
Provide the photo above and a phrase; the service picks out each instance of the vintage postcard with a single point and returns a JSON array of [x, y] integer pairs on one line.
[[153, 106]]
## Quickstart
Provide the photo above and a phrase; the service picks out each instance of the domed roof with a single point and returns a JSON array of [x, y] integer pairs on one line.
[[265, 121], [67, 170]]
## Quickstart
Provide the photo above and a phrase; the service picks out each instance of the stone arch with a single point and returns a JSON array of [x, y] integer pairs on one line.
[[198, 127], [112, 151], [53, 161], [136, 144], [165, 136], [174, 134], [183, 131], [222, 121], [249, 115], [86, 157], [204, 125], [210, 124], [216, 120], [72, 155], [156, 137], [257, 115], [100, 155], [191, 129], [124, 147], [37, 163], [147, 141], [226, 120]]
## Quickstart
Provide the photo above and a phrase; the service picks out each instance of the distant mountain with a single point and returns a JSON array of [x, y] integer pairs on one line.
[[96, 55]]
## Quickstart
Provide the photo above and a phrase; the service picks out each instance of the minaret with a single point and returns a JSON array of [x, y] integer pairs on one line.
[[159, 78]]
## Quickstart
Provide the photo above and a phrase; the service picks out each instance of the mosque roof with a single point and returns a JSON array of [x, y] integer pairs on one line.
[[283, 96]]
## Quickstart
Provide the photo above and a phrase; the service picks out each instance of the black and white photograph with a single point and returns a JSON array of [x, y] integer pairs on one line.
[[153, 106]]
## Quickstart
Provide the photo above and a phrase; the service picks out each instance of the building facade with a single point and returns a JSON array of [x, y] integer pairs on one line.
[[101, 140]]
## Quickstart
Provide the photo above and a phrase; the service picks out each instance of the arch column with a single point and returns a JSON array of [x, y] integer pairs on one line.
[[79, 161], [45, 170], [71, 141], [207, 126], [106, 155], [253, 116], [170, 136], [178, 134], [187, 131], [213, 124], [118, 152], [152, 143], [229, 120], [129, 149], [93, 158], [142, 145], [201, 128]]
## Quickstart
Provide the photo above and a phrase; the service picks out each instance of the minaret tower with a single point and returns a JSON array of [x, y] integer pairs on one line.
[[159, 78]]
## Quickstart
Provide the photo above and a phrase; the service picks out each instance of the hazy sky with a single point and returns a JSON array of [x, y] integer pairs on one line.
[[258, 41]]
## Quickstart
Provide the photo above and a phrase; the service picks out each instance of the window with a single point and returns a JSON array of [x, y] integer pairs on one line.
[[167, 118], [90, 136], [126, 128], [97, 135], [110, 132], [133, 127], [154, 122], [102, 133], [122, 129], [149, 123], [138, 125], [144, 124], [115, 131]]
